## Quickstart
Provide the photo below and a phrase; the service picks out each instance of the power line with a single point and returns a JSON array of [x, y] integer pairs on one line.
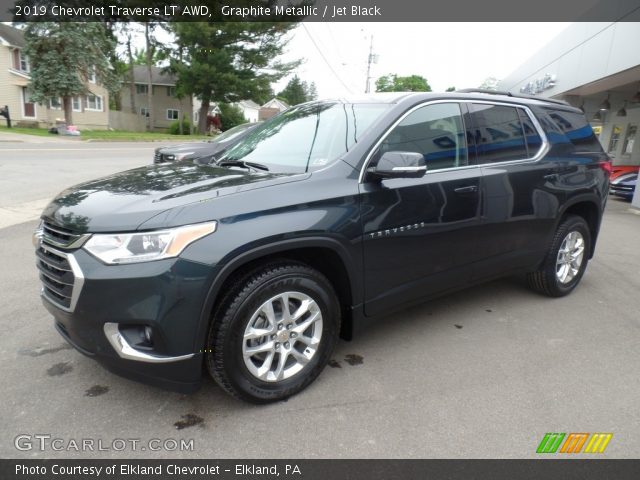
[[325, 58]]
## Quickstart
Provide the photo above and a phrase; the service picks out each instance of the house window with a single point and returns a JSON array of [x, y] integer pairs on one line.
[[172, 114], [144, 111], [23, 61], [55, 103], [20, 61], [75, 104], [171, 91], [28, 105], [94, 102], [92, 75], [142, 89]]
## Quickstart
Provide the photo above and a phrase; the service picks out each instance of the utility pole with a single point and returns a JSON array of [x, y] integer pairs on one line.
[[371, 59]]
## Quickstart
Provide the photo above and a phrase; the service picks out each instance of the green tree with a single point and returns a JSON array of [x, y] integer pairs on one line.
[[229, 61], [64, 56], [230, 116], [394, 83], [312, 92], [298, 91], [450, 89], [158, 56]]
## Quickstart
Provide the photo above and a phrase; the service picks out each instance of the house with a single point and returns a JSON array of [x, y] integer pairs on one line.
[[167, 107], [250, 110], [271, 108], [89, 111]]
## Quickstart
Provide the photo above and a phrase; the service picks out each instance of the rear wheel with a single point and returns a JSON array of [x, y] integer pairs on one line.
[[566, 259], [274, 332]]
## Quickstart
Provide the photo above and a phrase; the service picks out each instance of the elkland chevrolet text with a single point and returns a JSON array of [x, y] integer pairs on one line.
[[327, 214]]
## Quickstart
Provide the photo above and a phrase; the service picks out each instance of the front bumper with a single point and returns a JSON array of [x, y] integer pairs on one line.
[[624, 192], [166, 296]]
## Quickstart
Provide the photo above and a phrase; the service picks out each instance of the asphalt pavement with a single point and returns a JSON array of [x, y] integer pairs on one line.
[[483, 373]]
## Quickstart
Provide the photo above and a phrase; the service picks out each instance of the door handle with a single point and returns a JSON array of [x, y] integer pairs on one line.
[[467, 189]]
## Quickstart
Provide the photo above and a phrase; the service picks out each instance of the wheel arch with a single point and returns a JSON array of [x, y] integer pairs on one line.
[[326, 255], [588, 208]]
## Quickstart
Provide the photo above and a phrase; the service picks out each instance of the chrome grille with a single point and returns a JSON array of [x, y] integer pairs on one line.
[[62, 237], [157, 157], [56, 276], [60, 273]]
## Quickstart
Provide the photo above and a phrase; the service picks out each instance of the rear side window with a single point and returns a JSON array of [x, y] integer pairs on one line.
[[576, 128], [498, 133], [531, 134]]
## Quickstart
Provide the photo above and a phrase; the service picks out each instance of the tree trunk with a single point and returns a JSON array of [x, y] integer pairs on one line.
[[149, 58], [180, 126], [68, 110], [132, 86], [202, 116], [193, 127]]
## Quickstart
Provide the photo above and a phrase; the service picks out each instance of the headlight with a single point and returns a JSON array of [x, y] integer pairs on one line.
[[36, 238], [180, 156], [119, 248]]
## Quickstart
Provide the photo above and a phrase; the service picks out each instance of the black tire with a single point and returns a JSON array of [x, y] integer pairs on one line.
[[545, 280], [225, 341]]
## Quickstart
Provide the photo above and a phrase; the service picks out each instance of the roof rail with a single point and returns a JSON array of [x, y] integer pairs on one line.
[[509, 94], [484, 90]]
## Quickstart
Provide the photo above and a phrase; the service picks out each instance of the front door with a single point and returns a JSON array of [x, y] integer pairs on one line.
[[29, 105], [419, 232]]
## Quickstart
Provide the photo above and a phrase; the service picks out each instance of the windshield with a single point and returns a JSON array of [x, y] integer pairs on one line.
[[306, 137], [231, 133]]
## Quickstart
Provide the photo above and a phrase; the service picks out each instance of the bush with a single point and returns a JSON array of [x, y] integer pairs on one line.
[[230, 116], [174, 129]]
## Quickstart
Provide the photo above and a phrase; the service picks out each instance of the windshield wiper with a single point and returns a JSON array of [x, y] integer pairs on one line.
[[243, 164]]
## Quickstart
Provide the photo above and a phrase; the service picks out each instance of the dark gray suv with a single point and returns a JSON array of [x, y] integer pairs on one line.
[[325, 215]]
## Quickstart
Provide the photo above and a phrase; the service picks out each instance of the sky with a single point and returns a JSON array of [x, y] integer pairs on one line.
[[460, 55]]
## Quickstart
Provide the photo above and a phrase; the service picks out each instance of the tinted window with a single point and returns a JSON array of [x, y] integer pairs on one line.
[[498, 133], [531, 135], [576, 128], [435, 131]]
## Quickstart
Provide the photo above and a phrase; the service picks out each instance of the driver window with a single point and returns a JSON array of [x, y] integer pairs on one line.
[[435, 131]]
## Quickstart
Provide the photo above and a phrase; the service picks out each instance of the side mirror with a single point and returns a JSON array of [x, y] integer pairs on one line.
[[399, 165]]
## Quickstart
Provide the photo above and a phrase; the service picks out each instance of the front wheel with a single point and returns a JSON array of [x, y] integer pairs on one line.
[[274, 332], [565, 261]]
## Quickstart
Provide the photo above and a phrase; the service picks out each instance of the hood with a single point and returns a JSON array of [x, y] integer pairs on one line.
[[124, 201]]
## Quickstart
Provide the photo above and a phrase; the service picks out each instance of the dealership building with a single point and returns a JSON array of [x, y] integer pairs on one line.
[[594, 66]]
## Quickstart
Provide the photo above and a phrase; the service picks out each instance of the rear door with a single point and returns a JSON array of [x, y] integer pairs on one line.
[[419, 232], [518, 207]]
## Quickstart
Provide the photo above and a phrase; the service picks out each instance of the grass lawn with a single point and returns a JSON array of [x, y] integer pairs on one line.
[[109, 135], [41, 132]]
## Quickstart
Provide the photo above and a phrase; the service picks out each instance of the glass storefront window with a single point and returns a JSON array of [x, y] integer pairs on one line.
[[615, 138], [629, 140]]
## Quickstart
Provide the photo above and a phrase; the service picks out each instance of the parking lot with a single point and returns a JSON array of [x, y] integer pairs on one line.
[[483, 373]]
